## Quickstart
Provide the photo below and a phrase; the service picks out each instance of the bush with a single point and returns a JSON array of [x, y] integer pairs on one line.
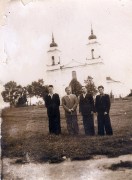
[[75, 87]]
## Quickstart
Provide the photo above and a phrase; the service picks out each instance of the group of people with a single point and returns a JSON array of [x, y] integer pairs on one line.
[[87, 108]]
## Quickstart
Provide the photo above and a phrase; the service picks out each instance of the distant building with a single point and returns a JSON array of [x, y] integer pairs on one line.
[[116, 87], [60, 74]]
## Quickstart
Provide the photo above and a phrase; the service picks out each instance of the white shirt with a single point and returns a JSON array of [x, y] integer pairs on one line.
[[51, 95], [84, 95], [68, 96]]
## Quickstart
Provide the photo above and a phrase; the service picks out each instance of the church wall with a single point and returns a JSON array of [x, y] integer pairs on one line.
[[62, 77], [93, 66], [96, 53], [56, 55], [54, 78], [97, 72]]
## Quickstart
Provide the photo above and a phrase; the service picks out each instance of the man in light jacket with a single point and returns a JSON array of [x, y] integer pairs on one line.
[[69, 103]]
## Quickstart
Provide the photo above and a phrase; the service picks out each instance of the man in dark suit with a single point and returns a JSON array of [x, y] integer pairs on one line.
[[86, 108], [52, 103], [102, 106]]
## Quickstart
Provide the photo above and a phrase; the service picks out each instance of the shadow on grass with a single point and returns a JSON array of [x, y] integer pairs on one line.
[[122, 164]]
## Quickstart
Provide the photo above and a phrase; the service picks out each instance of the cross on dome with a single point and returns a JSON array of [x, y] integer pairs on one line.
[[53, 44]]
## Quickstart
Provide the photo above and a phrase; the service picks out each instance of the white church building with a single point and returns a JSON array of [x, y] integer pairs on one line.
[[60, 75]]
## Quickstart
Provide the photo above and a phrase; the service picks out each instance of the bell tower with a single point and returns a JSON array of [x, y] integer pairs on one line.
[[93, 51], [53, 56]]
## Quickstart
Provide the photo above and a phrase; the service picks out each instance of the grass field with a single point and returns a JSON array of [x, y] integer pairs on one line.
[[26, 130]]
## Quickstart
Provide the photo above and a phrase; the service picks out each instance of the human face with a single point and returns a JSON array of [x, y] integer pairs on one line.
[[84, 90], [101, 90], [68, 91], [51, 89]]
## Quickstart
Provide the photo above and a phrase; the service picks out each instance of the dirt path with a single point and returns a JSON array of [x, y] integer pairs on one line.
[[96, 169]]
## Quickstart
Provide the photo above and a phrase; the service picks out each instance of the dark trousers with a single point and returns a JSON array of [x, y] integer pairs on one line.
[[88, 122], [104, 124], [72, 124], [54, 125]]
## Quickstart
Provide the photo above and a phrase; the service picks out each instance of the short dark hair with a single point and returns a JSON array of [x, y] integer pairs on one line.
[[51, 86], [101, 87], [67, 88]]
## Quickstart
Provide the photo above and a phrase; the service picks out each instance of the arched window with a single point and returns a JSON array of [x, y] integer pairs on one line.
[[92, 52], [59, 60], [53, 60]]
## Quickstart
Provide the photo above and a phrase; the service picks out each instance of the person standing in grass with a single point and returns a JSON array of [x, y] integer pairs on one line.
[[52, 103], [102, 106], [69, 103], [86, 108]]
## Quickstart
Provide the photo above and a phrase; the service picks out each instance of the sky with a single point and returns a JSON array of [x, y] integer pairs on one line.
[[27, 26]]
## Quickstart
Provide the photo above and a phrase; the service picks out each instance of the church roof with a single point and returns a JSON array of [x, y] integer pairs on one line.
[[52, 50], [53, 44], [110, 80], [74, 63]]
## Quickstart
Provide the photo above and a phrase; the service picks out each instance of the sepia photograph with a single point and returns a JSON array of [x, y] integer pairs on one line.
[[66, 89]]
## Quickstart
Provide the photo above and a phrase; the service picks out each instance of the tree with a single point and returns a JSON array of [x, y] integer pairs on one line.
[[9, 93], [30, 92], [91, 88], [13, 92], [75, 86], [37, 88], [130, 94]]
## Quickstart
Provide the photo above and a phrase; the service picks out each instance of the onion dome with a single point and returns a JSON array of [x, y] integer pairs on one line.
[[92, 36], [53, 44]]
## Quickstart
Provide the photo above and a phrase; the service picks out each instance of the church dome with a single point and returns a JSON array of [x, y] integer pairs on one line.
[[53, 44], [92, 36]]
